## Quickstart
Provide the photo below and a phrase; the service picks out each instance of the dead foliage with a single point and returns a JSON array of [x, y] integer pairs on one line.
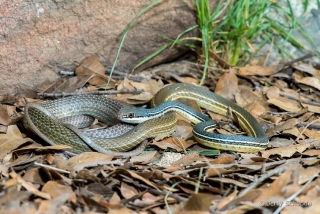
[[176, 174]]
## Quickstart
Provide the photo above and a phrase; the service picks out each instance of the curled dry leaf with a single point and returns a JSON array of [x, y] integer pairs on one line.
[[128, 191], [310, 81], [12, 140], [287, 151], [273, 92], [275, 189], [307, 69], [285, 104], [92, 67], [8, 115], [231, 81], [55, 189], [289, 124], [259, 70], [146, 157], [88, 159], [173, 142]]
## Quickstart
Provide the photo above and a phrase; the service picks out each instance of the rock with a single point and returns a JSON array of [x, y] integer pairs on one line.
[[40, 38]]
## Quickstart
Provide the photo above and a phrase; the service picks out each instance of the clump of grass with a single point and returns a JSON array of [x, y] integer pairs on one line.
[[231, 28]]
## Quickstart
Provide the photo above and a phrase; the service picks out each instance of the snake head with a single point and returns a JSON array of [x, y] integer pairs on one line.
[[130, 115]]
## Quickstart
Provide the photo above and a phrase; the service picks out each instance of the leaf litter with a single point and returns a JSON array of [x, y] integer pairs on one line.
[[175, 174]]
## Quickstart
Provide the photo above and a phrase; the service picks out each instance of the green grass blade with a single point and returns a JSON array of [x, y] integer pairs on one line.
[[125, 34]]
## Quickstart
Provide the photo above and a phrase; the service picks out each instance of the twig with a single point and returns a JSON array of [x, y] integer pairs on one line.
[[307, 56], [295, 194], [313, 126], [276, 170], [265, 165], [122, 91], [300, 100], [158, 192], [317, 120], [51, 168]]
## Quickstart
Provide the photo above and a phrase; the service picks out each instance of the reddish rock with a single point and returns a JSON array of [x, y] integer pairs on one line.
[[38, 39]]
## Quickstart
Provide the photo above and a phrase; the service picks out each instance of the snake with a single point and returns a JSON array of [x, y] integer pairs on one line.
[[158, 121]]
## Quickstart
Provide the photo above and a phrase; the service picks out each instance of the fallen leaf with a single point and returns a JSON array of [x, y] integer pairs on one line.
[[310, 81], [8, 115], [146, 157], [12, 140], [229, 79], [88, 159], [175, 143], [285, 104], [287, 151], [127, 191], [92, 67], [56, 189], [259, 70]]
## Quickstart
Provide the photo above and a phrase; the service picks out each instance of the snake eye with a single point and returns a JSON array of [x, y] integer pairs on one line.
[[131, 115]]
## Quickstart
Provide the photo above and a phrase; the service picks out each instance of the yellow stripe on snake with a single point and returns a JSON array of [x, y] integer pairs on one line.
[[42, 120]]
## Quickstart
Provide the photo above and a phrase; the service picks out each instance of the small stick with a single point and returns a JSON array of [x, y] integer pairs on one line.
[[295, 194], [51, 168], [308, 55], [301, 133], [122, 91], [274, 171]]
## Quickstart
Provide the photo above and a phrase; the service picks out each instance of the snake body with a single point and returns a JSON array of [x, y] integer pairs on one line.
[[42, 120], [256, 141]]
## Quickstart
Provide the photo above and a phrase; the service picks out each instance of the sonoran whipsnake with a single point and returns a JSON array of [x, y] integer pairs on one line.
[[41, 119]]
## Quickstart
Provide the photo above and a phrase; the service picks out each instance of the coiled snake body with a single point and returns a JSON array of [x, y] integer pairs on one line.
[[42, 120]]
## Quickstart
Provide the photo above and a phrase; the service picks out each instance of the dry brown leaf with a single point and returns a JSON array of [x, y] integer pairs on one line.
[[12, 140], [4, 170], [275, 189], [8, 115], [273, 92], [251, 102], [285, 104], [231, 81], [88, 159], [144, 85], [72, 84], [259, 70], [310, 81], [294, 132], [311, 108], [289, 124], [54, 205], [128, 191], [228, 181], [287, 151], [144, 96], [146, 157], [312, 134], [175, 143], [312, 152], [307, 173], [56, 189], [183, 129], [186, 160], [16, 181], [33, 175], [92, 67], [134, 175], [307, 69], [198, 202], [223, 160], [219, 169]]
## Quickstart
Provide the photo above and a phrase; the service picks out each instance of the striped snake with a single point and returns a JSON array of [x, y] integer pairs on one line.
[[158, 121]]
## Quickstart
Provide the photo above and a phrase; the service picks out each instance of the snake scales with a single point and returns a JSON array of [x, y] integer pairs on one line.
[[42, 120]]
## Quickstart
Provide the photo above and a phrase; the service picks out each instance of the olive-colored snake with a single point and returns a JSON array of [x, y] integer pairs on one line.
[[42, 120]]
